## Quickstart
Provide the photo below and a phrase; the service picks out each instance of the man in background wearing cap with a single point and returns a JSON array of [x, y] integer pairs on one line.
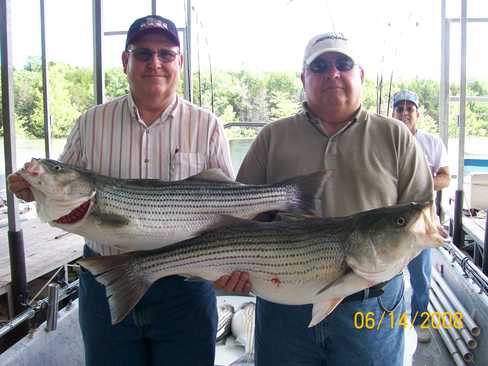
[[406, 109], [376, 163], [149, 133]]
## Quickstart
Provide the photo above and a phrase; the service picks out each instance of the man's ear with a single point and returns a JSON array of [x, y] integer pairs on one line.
[[361, 70], [125, 61], [302, 77]]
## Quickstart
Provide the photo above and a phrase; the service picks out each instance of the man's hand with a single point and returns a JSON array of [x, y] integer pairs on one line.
[[20, 187], [237, 282]]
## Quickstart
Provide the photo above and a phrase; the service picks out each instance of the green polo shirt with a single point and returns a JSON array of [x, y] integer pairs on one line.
[[375, 161]]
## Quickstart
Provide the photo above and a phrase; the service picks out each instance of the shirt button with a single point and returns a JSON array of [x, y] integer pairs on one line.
[[146, 161]]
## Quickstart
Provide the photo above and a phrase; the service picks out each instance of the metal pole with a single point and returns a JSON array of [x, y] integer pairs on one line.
[[485, 248], [153, 7], [45, 83], [99, 84], [444, 85], [468, 321], [187, 54], [457, 238], [448, 310], [458, 233], [52, 307], [15, 238], [31, 312], [456, 356]]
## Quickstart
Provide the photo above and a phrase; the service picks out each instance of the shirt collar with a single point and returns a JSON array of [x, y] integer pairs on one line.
[[359, 115], [169, 112]]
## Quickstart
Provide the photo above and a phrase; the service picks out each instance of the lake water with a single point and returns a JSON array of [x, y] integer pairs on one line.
[[28, 149], [476, 149]]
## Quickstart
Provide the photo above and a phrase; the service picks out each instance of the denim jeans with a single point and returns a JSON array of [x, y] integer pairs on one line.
[[175, 323], [284, 339], [420, 269]]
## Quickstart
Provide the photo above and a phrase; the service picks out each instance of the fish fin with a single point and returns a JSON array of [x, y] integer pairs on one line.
[[111, 220], [310, 189], [343, 286], [332, 294], [124, 287], [226, 221], [320, 311], [212, 175]]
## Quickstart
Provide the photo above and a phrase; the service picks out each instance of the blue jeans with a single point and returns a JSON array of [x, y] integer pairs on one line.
[[420, 269], [284, 339], [175, 323]]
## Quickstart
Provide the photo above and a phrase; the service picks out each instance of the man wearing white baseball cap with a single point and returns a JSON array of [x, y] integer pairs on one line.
[[376, 163]]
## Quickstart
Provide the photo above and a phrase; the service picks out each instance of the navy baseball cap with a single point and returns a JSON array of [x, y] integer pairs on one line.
[[152, 24], [405, 95]]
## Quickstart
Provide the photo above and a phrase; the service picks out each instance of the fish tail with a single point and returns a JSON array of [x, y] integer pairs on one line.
[[308, 191], [124, 286]]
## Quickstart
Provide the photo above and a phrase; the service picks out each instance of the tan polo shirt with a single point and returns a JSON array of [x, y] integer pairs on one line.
[[375, 160]]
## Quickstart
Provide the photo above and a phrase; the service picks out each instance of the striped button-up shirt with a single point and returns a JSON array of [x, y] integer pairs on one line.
[[112, 139]]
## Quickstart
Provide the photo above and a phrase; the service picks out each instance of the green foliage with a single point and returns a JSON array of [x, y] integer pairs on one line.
[[115, 83], [233, 96]]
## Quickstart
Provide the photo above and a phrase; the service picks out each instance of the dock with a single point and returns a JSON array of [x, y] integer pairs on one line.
[[46, 249]]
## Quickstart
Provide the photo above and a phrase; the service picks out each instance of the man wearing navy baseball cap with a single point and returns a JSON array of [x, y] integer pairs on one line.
[[150, 133], [406, 109]]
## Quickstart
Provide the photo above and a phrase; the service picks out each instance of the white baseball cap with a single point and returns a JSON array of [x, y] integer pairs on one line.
[[327, 42]]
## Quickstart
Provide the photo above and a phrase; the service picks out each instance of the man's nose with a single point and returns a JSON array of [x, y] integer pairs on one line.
[[332, 71], [154, 61]]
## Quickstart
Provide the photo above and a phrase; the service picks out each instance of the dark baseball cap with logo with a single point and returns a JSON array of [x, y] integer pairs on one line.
[[152, 24]]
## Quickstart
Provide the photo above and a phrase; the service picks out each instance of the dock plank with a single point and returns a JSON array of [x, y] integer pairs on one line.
[[46, 249]]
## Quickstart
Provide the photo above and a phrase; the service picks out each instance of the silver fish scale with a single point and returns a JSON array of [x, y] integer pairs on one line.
[[288, 255], [157, 209]]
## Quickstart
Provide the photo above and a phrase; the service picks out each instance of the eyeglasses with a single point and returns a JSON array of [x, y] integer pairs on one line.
[[320, 66], [146, 54], [408, 109]]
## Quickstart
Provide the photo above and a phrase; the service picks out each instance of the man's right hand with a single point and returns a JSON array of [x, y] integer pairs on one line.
[[20, 187]]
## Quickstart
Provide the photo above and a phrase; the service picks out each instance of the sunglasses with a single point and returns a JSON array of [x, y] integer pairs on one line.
[[146, 54], [320, 66], [408, 109]]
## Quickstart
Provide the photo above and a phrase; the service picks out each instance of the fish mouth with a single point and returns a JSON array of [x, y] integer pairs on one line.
[[75, 215]]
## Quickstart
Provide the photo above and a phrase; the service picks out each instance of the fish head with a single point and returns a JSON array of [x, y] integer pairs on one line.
[[384, 240], [57, 188]]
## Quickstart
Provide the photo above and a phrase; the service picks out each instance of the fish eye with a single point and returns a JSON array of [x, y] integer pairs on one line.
[[57, 167], [401, 221]]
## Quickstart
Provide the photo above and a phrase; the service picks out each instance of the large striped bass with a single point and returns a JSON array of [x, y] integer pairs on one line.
[[145, 214], [304, 261]]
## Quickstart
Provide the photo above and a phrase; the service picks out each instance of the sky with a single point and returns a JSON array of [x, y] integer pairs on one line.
[[402, 37]]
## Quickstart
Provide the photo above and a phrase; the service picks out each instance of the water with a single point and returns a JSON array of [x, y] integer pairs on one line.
[[238, 150], [476, 153], [28, 149]]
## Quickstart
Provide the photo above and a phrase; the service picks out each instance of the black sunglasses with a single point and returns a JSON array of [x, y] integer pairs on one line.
[[146, 54], [319, 65]]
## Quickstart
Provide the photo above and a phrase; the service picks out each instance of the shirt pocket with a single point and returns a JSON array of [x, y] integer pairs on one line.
[[187, 164]]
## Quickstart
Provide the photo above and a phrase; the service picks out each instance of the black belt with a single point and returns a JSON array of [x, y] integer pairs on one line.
[[375, 291]]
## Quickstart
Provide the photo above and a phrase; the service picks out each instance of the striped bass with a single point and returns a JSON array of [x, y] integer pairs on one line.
[[302, 261], [144, 214]]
